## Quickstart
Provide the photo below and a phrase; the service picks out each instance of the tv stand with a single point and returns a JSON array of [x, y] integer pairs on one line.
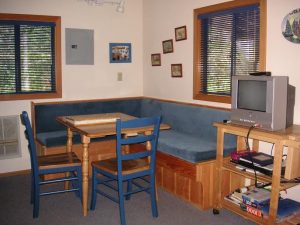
[[229, 178]]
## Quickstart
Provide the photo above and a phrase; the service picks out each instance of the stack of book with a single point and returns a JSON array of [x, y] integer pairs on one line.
[[255, 199], [250, 199]]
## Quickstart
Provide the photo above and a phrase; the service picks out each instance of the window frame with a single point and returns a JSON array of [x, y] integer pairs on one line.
[[57, 44], [197, 95]]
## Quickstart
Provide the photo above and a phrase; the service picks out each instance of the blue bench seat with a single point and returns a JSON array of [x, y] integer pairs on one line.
[[188, 147], [59, 138]]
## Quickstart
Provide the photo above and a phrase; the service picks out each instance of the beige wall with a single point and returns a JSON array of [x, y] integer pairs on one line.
[[86, 81]]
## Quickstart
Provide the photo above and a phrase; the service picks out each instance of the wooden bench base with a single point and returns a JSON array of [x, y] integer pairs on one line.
[[191, 182]]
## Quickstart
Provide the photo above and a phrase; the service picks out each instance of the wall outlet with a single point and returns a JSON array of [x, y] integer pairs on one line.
[[119, 76], [247, 182]]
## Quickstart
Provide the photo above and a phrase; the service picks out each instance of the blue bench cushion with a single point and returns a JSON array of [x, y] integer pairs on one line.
[[188, 147], [59, 138]]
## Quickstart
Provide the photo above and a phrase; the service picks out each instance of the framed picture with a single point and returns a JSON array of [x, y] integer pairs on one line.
[[167, 46], [290, 28], [155, 59], [176, 70], [180, 33], [120, 52]]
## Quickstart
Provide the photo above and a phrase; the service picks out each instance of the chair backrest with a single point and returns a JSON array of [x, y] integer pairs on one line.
[[31, 143], [125, 127]]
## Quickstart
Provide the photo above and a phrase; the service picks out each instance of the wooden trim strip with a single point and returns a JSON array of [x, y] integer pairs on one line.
[[33, 104], [15, 173], [86, 100]]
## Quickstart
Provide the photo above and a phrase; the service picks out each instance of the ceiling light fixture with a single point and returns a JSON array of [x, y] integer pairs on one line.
[[120, 3]]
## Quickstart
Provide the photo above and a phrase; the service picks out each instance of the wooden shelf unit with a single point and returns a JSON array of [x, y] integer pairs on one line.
[[229, 178]]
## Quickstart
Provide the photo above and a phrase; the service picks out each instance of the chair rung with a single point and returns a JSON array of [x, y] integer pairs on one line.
[[137, 184], [145, 179], [109, 185], [137, 191], [105, 179], [107, 196], [59, 180], [58, 192]]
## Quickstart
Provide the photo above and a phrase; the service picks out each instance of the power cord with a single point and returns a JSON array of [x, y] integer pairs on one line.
[[250, 155]]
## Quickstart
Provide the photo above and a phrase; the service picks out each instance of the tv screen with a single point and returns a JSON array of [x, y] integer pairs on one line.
[[252, 95]]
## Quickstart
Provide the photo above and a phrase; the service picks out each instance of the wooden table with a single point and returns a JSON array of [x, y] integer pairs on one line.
[[95, 126]]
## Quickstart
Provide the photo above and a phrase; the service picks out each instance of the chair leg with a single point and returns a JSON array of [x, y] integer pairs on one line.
[[94, 186], [79, 184], [36, 200], [129, 188], [153, 196], [121, 202], [32, 190]]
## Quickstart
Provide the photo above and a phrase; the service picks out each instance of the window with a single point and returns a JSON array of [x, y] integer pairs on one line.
[[229, 40], [30, 57]]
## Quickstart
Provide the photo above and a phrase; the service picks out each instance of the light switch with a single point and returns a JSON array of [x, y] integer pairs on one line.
[[119, 76]]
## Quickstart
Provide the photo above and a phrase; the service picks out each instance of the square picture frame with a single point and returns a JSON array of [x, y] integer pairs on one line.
[[176, 70], [180, 33], [167, 46], [156, 59], [120, 52]]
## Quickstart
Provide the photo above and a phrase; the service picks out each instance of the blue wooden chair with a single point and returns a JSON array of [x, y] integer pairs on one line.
[[137, 169], [57, 163]]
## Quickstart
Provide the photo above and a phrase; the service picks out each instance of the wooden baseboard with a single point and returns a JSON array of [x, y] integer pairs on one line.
[[15, 173]]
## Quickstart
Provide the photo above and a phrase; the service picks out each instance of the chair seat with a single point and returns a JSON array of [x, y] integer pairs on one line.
[[58, 160], [128, 166]]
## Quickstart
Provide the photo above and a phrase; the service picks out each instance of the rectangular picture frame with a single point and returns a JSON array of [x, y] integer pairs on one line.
[[156, 59], [167, 46], [176, 70], [180, 33], [120, 53]]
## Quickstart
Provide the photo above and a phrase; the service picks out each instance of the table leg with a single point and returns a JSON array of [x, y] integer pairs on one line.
[[70, 140], [148, 147], [69, 149], [85, 173]]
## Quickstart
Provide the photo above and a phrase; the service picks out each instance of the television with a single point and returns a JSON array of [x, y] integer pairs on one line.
[[260, 100]]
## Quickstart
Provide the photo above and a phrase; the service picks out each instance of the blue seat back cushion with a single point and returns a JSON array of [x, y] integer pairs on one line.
[[188, 119], [45, 115]]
